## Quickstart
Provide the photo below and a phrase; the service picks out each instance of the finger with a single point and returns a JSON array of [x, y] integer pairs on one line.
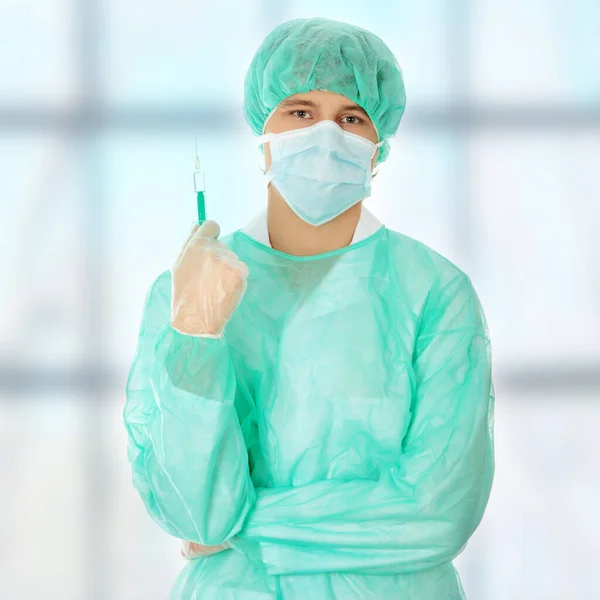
[[187, 241], [242, 268], [234, 270], [208, 229], [225, 254], [186, 549]]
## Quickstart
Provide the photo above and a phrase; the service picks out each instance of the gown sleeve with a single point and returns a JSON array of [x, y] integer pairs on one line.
[[423, 509], [187, 418]]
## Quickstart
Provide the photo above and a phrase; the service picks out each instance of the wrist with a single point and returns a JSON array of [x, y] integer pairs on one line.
[[180, 326], [195, 329]]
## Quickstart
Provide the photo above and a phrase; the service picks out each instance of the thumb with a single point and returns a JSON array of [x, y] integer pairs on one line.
[[208, 229]]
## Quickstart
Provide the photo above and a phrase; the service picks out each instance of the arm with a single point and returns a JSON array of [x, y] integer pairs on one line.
[[182, 416], [421, 511]]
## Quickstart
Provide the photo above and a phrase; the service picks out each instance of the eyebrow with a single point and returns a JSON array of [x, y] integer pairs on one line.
[[292, 102]]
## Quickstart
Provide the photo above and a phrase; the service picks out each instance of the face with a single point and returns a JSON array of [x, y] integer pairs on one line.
[[310, 108]]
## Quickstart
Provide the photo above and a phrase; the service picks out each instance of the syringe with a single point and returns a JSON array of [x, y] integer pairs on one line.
[[200, 188]]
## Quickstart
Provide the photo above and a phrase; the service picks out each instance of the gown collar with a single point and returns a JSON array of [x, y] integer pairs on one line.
[[257, 228]]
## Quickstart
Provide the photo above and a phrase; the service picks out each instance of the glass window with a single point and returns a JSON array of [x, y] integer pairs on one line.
[[539, 536], [536, 227], [159, 55], [44, 540], [40, 69], [99, 198], [43, 256], [536, 51], [415, 189]]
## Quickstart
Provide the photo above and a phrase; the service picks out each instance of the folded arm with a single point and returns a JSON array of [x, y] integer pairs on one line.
[[423, 509]]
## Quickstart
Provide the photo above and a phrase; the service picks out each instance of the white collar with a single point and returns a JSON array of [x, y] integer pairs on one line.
[[368, 224]]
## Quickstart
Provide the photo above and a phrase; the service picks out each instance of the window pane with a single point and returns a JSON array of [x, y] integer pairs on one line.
[[539, 50], [43, 256], [158, 55], [537, 220], [39, 69], [415, 191], [75, 527], [44, 526], [539, 536]]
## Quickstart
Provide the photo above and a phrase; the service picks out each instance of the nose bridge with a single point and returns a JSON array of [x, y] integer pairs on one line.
[[331, 132]]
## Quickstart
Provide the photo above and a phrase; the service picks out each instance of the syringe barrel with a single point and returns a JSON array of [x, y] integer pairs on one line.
[[199, 184]]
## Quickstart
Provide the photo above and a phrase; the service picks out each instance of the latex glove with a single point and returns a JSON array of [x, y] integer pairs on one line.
[[191, 550], [208, 282]]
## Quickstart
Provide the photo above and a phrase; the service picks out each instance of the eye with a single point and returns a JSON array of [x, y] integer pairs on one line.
[[353, 120], [301, 114]]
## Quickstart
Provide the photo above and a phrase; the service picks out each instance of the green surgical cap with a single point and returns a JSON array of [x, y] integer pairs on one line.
[[320, 54]]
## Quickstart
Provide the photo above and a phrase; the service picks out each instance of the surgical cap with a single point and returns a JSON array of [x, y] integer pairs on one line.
[[320, 54]]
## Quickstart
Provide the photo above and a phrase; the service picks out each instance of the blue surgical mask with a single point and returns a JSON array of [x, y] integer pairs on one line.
[[320, 171]]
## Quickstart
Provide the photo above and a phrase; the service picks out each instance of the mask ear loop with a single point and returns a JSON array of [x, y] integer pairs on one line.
[[378, 145], [376, 167], [267, 137]]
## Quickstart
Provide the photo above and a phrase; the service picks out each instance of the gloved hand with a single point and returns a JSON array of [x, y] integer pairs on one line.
[[208, 282], [191, 550]]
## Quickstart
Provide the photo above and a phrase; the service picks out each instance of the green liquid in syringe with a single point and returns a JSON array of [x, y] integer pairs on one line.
[[200, 188], [201, 207]]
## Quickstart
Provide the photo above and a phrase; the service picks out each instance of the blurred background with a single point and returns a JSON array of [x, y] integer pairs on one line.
[[496, 165]]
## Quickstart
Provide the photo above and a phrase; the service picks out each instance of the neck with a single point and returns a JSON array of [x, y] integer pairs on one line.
[[290, 234]]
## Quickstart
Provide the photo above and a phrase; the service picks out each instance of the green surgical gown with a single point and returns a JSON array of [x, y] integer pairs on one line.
[[339, 435]]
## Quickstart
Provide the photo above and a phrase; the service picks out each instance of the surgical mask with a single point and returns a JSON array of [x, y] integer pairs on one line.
[[320, 171]]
